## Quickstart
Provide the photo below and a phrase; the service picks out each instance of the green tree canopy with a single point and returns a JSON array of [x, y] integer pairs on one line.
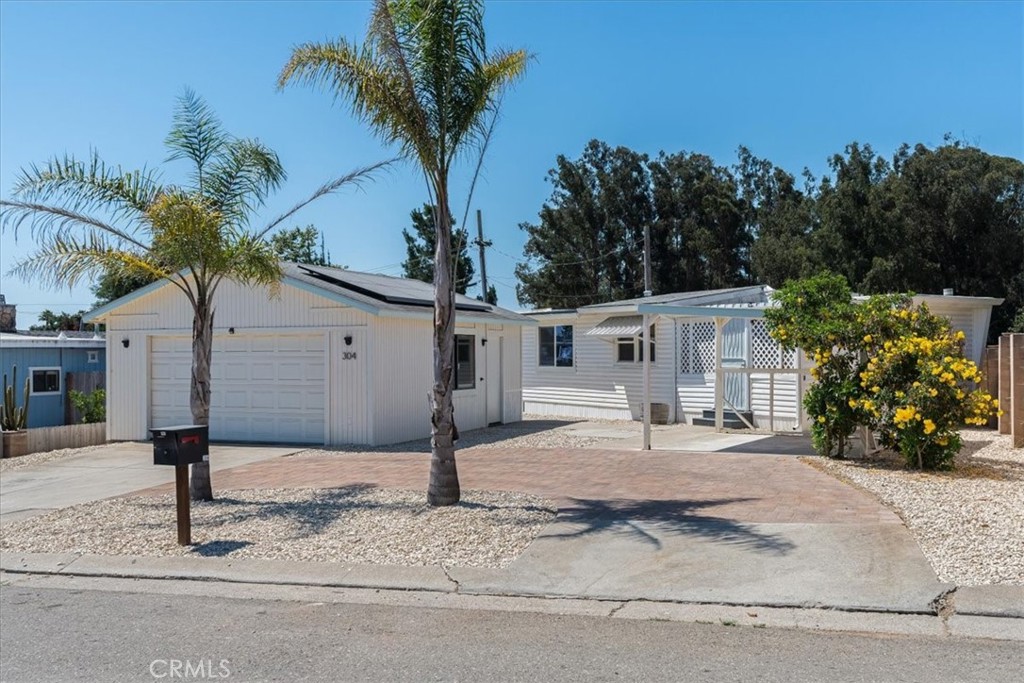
[[421, 243], [301, 245], [63, 321], [588, 245]]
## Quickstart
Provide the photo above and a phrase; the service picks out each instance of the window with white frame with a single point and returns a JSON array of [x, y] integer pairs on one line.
[[554, 348], [631, 349], [465, 361], [93, 357], [45, 381]]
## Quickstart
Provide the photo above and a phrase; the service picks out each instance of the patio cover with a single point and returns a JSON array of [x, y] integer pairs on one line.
[[618, 326]]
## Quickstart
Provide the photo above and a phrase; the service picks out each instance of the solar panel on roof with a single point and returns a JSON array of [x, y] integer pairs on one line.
[[392, 290]]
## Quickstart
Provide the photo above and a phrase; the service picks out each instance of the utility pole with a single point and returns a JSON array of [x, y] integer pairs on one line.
[[645, 340], [480, 243]]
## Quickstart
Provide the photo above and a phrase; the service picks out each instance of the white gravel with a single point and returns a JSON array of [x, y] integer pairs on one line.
[[969, 522], [8, 464], [354, 524]]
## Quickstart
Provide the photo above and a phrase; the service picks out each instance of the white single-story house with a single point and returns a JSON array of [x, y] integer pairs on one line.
[[712, 361], [338, 357]]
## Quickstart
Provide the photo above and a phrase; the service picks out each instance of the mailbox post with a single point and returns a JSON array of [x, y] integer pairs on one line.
[[179, 447]]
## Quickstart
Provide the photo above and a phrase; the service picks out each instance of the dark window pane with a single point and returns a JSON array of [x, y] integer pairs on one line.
[[564, 357], [564, 334], [546, 346], [624, 349], [45, 381], [465, 367]]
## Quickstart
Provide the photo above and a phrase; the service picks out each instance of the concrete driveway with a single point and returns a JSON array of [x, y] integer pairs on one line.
[[113, 470]]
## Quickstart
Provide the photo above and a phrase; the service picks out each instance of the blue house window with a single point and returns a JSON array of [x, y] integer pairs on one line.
[[45, 380]]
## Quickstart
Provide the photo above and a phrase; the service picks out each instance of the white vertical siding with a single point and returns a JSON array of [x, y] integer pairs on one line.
[[403, 375], [127, 385], [167, 311], [381, 396], [235, 306], [347, 396], [596, 386], [512, 371]]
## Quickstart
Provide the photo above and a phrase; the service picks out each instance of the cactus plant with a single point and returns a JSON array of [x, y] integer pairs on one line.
[[13, 418]]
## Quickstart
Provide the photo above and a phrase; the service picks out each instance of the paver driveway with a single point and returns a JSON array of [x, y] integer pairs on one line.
[[695, 527]]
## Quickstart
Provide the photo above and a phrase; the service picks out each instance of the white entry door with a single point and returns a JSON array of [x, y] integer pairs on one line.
[[736, 354], [266, 387], [495, 351]]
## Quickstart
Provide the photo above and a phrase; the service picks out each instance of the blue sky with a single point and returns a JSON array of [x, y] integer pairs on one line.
[[795, 82]]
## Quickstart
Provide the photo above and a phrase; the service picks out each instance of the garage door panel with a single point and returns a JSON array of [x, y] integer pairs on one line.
[[262, 371], [265, 387]]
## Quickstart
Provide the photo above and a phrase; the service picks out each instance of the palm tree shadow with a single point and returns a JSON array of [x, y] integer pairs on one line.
[[647, 519]]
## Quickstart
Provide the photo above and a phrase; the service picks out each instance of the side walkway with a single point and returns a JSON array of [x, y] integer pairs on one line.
[[114, 470]]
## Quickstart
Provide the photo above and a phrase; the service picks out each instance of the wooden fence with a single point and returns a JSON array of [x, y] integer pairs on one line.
[[43, 439], [85, 382]]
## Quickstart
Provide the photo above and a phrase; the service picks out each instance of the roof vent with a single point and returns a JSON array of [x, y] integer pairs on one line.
[[948, 291]]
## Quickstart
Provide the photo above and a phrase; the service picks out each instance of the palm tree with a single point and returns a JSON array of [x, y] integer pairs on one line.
[[89, 219], [423, 79]]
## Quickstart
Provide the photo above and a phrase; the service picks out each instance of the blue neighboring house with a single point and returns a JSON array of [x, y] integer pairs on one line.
[[46, 360]]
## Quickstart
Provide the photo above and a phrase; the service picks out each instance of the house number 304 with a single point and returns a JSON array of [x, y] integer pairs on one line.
[[348, 355]]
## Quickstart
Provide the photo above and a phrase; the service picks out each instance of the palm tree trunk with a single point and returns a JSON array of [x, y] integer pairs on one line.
[[444, 477], [200, 486]]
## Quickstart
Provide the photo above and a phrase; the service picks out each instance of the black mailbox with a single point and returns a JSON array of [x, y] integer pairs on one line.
[[180, 445]]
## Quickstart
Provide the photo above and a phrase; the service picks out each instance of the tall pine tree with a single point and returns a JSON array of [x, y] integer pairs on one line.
[[420, 245]]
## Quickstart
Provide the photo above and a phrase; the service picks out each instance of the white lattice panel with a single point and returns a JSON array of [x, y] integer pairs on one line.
[[698, 354], [764, 351]]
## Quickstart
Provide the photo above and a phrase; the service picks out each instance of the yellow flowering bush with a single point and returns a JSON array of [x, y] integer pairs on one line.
[[928, 390], [882, 363]]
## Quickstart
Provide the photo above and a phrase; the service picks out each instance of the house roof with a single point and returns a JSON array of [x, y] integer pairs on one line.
[[382, 295], [75, 340], [740, 296]]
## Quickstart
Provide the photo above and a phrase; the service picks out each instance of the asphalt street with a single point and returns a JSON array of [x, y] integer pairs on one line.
[[49, 634]]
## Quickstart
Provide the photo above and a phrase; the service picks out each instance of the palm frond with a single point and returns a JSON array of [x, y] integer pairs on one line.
[[376, 92], [241, 178], [355, 178], [196, 134], [67, 260], [57, 222], [85, 186]]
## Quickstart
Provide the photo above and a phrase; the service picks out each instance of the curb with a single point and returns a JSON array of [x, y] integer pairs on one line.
[[993, 612]]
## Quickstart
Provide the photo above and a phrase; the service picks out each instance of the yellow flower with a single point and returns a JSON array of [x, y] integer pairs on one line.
[[959, 335], [867, 338], [929, 426], [821, 419], [933, 392]]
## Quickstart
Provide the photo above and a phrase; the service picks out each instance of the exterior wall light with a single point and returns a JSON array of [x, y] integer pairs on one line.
[[125, 342], [348, 340]]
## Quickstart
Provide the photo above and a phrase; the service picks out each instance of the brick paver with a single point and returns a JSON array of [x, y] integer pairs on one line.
[[746, 488]]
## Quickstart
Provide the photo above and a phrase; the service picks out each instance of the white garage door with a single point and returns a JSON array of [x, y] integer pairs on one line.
[[265, 387]]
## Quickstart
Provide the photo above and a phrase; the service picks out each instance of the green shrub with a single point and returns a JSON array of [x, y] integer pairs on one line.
[[92, 406]]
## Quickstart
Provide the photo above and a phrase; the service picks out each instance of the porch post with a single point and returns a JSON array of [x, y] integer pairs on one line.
[[645, 347], [719, 374]]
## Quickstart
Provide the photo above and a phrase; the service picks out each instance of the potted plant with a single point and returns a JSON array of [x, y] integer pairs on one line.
[[14, 420]]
